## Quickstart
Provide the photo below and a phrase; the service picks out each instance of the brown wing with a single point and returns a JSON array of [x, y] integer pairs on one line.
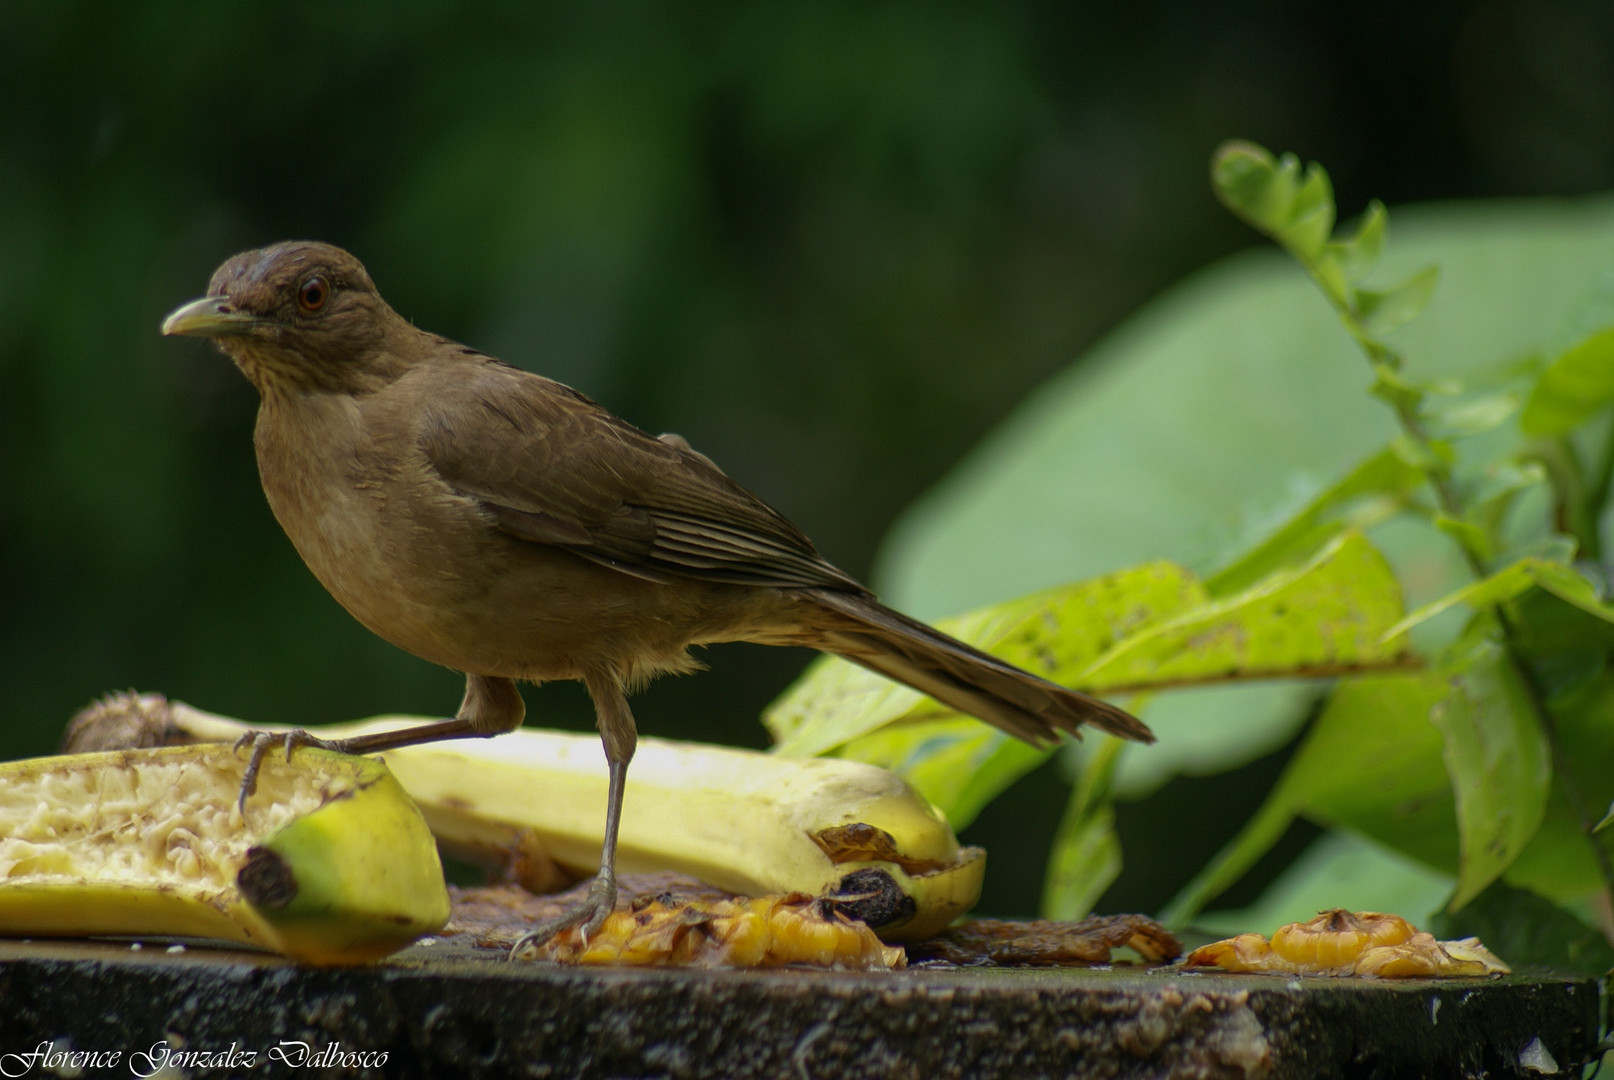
[[552, 467]]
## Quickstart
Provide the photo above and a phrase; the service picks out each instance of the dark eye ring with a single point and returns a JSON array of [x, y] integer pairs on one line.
[[312, 294]]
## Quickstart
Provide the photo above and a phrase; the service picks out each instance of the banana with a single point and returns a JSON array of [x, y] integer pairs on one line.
[[333, 864], [748, 822]]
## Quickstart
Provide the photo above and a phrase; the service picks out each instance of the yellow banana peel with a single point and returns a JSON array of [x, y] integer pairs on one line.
[[333, 863]]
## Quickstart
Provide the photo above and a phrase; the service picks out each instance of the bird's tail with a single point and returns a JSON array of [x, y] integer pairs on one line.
[[866, 632]]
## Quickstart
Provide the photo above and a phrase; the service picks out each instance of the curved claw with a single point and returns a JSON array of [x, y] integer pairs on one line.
[[261, 741], [590, 912]]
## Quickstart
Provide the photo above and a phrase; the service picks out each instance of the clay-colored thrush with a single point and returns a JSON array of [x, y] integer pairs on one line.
[[504, 525]]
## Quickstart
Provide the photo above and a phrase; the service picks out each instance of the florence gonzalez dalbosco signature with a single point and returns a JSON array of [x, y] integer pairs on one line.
[[47, 1057]]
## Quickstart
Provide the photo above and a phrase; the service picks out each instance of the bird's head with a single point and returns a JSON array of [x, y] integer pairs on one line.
[[299, 315]]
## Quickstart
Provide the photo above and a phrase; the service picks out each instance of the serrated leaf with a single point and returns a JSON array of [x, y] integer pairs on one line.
[[1384, 311], [1253, 184], [1311, 217], [1574, 387], [1055, 633], [1328, 615], [1497, 756], [1357, 255], [1366, 495]]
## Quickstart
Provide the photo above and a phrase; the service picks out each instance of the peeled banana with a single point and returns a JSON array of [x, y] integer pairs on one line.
[[748, 822], [332, 865]]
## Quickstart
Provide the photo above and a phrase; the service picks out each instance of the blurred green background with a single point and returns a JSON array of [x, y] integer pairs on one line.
[[832, 244]]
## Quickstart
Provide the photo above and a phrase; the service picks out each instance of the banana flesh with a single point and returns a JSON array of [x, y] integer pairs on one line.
[[332, 865], [747, 822]]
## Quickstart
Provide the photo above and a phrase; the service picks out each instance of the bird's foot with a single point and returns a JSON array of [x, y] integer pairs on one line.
[[261, 742], [590, 912]]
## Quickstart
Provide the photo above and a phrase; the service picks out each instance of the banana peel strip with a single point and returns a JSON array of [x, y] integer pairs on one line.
[[765, 931], [1343, 943], [750, 823], [333, 863]]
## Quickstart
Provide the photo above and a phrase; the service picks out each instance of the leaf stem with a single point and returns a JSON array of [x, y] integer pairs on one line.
[[1595, 498]]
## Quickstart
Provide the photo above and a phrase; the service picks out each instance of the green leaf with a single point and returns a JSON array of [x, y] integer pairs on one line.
[[1559, 862], [1311, 217], [1490, 494], [1295, 206], [959, 764], [1512, 580], [1390, 386], [1608, 819], [1574, 387], [1368, 493], [1497, 756], [1086, 854], [1357, 255], [1055, 633], [1474, 415], [1382, 312], [1256, 186], [1329, 615], [1524, 928], [1471, 537], [1370, 762]]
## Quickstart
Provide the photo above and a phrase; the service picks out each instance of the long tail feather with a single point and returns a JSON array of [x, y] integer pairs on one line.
[[962, 676]]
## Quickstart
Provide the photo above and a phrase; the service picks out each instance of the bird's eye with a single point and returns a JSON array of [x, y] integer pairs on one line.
[[312, 294]]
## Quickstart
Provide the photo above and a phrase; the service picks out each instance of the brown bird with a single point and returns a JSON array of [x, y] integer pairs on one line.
[[504, 525]]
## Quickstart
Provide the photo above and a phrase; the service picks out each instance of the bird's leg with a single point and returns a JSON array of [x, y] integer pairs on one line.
[[620, 736], [491, 706]]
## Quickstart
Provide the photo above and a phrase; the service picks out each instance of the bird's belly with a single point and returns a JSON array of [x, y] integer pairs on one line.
[[473, 599]]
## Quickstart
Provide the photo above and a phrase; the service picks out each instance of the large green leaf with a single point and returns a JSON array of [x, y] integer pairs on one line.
[[1496, 753], [1328, 616], [1575, 386], [1216, 413]]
